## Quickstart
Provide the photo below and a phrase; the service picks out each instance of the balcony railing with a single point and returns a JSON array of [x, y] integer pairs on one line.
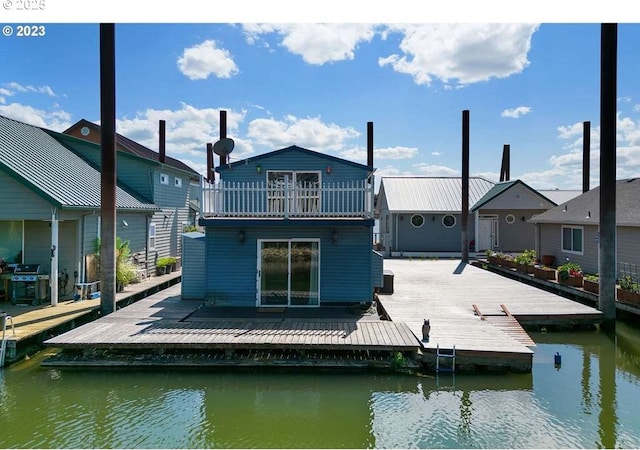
[[300, 200]]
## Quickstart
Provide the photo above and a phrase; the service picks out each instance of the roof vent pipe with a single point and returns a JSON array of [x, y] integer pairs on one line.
[[223, 133], [161, 146], [370, 145], [504, 169], [210, 173]]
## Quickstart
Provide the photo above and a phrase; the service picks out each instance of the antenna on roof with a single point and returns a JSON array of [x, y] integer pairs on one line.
[[223, 147]]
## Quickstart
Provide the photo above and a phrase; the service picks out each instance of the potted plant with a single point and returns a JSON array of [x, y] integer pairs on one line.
[[570, 274], [162, 265], [525, 260], [507, 261], [628, 290], [492, 257], [591, 283], [125, 268]]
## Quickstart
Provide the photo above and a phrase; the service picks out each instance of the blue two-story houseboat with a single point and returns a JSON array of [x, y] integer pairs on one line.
[[289, 228]]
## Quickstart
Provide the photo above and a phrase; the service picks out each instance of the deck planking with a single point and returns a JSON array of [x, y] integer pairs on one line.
[[444, 291], [163, 321]]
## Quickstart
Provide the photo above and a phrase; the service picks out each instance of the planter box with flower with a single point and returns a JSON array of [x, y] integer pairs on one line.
[[507, 261], [628, 290], [492, 257], [543, 272], [570, 274], [524, 261], [591, 283]]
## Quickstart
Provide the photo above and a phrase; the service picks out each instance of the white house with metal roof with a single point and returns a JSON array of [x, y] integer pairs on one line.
[[422, 215], [50, 205]]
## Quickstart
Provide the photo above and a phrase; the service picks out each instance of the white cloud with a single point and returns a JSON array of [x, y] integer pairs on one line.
[[17, 87], [309, 133], [187, 132], [56, 119], [433, 170], [461, 54], [317, 43], [436, 153], [205, 59], [360, 154], [514, 113], [6, 92]]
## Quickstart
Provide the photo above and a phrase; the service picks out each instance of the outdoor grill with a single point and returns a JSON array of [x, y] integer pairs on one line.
[[29, 284]]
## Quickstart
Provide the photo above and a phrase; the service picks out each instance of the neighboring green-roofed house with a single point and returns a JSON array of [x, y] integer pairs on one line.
[[570, 230], [502, 215], [51, 199], [167, 182]]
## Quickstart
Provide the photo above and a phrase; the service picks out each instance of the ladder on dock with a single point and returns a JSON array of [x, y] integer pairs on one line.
[[3, 344], [448, 354]]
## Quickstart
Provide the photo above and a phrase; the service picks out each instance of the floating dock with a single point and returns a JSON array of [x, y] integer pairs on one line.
[[469, 308]]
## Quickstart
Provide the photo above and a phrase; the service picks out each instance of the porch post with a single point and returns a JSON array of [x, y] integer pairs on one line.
[[53, 276]]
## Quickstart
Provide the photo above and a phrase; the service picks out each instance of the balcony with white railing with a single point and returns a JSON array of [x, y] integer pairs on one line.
[[351, 199]]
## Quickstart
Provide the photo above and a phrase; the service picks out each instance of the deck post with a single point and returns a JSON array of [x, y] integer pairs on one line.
[[607, 238], [586, 155], [108, 168], [465, 187]]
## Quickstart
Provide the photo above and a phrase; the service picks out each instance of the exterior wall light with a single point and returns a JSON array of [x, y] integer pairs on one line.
[[241, 236], [259, 169], [329, 169], [334, 237]]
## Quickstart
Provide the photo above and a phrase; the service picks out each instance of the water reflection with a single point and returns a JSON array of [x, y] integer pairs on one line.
[[590, 401]]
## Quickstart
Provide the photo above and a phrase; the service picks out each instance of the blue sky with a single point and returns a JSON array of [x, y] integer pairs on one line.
[[529, 85]]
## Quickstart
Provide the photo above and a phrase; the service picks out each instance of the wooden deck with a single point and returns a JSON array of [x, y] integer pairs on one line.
[[445, 292], [34, 323], [165, 323]]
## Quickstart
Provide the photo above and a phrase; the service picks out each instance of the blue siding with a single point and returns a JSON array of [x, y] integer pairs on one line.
[[345, 267], [193, 270], [341, 171]]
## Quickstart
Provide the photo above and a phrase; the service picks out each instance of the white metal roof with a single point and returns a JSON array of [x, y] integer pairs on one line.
[[430, 194]]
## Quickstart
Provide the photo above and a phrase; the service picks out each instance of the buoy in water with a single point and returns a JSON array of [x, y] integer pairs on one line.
[[557, 360]]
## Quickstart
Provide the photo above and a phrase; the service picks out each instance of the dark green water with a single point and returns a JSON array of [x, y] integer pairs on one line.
[[591, 401]]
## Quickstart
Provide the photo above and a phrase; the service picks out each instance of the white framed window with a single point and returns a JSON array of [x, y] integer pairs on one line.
[[417, 220], [152, 236], [177, 182], [449, 221], [164, 178], [510, 218], [573, 239]]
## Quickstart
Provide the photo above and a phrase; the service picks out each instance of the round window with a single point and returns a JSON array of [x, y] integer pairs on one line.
[[417, 220], [448, 221], [509, 218]]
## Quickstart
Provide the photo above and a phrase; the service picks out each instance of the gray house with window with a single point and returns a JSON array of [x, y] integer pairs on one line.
[[422, 215], [502, 216], [569, 231]]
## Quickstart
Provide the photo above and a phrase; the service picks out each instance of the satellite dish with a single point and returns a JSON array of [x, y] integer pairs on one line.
[[223, 147]]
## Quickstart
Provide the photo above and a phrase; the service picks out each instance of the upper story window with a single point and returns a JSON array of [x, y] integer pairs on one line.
[[297, 190], [164, 178], [572, 239], [177, 182]]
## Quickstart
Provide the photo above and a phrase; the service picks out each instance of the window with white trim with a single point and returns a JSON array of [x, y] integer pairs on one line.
[[164, 178], [572, 239], [449, 221], [152, 236], [417, 220], [177, 182]]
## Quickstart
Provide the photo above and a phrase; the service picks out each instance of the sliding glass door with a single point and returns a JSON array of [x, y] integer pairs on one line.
[[289, 272]]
